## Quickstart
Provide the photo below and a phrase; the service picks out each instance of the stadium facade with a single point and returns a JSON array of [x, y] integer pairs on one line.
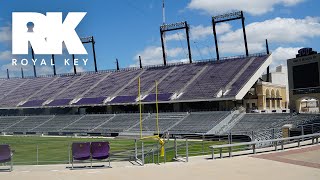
[[304, 81]]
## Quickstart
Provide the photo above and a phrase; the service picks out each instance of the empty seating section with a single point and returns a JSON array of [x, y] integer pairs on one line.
[[199, 122], [9, 85], [94, 88], [147, 80], [254, 122], [54, 88], [175, 122], [112, 83], [28, 123], [7, 121], [25, 90], [165, 120], [213, 79], [57, 123], [177, 79], [246, 75], [300, 119], [79, 87], [119, 123], [87, 123]]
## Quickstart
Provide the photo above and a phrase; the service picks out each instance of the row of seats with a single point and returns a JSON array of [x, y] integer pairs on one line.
[[195, 122], [256, 122], [184, 79], [175, 123]]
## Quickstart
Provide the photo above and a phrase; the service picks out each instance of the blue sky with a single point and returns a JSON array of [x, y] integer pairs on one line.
[[124, 29]]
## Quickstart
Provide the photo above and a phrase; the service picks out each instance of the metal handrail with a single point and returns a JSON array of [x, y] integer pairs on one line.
[[274, 141]]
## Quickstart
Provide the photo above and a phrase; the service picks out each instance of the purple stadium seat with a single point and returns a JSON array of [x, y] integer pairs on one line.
[[123, 99], [5, 154], [97, 100], [100, 151], [59, 102], [80, 151]]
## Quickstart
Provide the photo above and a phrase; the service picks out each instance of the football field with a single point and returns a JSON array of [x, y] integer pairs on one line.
[[37, 150]]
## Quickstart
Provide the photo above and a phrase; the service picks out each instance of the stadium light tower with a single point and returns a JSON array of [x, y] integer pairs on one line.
[[90, 39], [268, 69], [172, 27], [54, 65], [34, 66], [229, 17], [22, 75], [74, 66], [86, 40]]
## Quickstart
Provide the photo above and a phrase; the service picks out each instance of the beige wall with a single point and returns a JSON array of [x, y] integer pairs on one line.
[[268, 90]]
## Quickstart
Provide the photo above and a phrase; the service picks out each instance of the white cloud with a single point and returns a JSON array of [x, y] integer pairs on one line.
[[78, 68], [278, 30], [175, 37], [282, 30], [254, 7], [5, 34], [152, 55], [282, 54], [200, 32], [5, 55]]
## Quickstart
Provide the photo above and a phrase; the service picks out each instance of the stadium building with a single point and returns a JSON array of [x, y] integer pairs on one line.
[[303, 72], [207, 97]]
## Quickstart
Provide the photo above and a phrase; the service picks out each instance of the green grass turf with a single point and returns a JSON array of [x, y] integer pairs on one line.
[[55, 150]]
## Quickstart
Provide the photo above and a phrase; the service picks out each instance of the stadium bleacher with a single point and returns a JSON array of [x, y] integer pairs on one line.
[[165, 120], [57, 123], [87, 123], [28, 123], [173, 122], [199, 122], [190, 81], [250, 122]]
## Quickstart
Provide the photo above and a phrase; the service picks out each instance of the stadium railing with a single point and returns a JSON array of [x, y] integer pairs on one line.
[[275, 142]]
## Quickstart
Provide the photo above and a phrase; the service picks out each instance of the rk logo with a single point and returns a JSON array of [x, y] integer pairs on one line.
[[46, 32]]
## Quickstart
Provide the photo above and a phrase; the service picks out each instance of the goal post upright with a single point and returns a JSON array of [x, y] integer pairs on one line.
[[140, 108], [157, 108]]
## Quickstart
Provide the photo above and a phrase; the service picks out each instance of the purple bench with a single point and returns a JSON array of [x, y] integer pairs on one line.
[[6, 155], [82, 151]]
